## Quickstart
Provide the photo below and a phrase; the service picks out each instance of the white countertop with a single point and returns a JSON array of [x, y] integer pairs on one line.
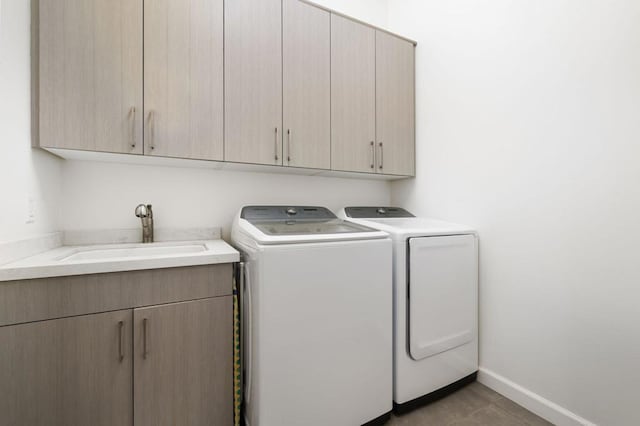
[[55, 263]]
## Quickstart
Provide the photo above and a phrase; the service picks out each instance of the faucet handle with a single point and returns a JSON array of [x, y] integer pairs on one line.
[[143, 211]]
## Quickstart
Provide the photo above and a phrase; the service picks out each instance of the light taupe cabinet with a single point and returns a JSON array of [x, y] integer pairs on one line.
[[159, 353], [353, 95], [307, 85], [372, 100], [89, 74], [274, 82], [180, 376], [71, 371], [183, 82], [395, 105], [277, 83], [253, 81]]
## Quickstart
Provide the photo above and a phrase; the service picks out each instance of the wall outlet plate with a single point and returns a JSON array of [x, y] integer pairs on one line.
[[31, 210]]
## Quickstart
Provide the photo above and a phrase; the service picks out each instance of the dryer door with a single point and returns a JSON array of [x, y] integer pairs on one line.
[[443, 294]]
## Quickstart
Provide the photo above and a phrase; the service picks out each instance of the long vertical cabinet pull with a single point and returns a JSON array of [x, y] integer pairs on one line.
[[152, 142], [121, 341], [288, 146], [276, 144], [381, 155], [132, 130], [145, 336], [373, 155]]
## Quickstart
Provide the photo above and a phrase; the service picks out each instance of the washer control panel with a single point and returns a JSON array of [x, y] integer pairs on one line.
[[284, 213]]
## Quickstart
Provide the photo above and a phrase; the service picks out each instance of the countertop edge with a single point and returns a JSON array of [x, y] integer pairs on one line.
[[49, 270]]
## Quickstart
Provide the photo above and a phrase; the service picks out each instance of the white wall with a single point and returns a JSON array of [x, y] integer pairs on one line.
[[104, 195], [371, 11], [25, 174], [528, 119]]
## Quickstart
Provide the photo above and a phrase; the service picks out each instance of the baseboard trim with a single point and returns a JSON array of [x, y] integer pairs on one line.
[[531, 401]]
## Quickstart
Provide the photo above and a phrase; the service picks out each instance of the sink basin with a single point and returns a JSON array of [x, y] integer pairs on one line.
[[132, 252]]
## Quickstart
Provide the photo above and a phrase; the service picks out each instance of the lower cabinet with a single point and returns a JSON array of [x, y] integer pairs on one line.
[[169, 364], [71, 371], [183, 356]]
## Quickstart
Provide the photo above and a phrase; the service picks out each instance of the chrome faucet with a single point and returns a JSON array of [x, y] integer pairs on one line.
[[144, 212]]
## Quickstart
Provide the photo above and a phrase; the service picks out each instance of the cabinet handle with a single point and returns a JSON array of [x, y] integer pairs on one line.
[[288, 145], [373, 155], [152, 135], [381, 155], [121, 340], [275, 140], [145, 332], [132, 134]]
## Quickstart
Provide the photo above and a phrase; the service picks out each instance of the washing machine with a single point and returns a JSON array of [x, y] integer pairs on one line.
[[435, 316], [317, 318]]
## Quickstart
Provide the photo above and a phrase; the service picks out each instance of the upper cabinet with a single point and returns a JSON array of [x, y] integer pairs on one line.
[[183, 78], [253, 81], [306, 80], [353, 95], [269, 82], [395, 105], [88, 75], [372, 100]]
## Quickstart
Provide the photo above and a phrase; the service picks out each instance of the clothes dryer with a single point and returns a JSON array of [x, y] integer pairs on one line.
[[435, 318]]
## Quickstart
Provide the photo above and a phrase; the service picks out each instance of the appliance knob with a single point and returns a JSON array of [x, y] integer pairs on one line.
[[381, 211], [292, 212]]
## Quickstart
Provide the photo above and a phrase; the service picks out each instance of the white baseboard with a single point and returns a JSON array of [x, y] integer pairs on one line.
[[531, 401]]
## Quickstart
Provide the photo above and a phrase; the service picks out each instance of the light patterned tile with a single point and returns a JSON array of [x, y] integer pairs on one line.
[[474, 405], [489, 416], [521, 413]]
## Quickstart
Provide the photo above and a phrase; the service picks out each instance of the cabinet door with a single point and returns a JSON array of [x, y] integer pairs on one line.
[[307, 85], [395, 116], [183, 363], [71, 371], [253, 81], [183, 78], [353, 111], [90, 74]]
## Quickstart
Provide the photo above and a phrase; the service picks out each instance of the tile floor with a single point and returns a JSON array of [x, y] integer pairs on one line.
[[474, 405]]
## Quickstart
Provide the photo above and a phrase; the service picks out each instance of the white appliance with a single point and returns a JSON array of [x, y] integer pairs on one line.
[[435, 303], [317, 318]]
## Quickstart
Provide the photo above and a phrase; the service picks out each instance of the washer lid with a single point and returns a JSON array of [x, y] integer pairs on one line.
[[297, 224], [293, 227]]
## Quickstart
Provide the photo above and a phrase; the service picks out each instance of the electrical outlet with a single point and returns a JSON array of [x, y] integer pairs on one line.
[[31, 210]]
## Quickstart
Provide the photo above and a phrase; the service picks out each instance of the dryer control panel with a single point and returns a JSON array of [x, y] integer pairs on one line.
[[376, 212]]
